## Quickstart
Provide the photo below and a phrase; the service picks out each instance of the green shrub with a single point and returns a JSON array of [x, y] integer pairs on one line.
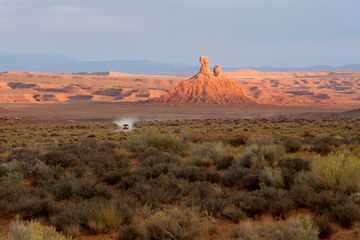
[[92, 217], [61, 157], [252, 205], [209, 153], [208, 199], [177, 223], [13, 178], [346, 214], [251, 181], [295, 164], [194, 138], [163, 190], [260, 156], [63, 189], [272, 177], [130, 232], [292, 169], [199, 161], [233, 176], [177, 130], [338, 207], [22, 160], [32, 230], [292, 229], [259, 140], [35, 208], [323, 202], [3, 170], [73, 218], [109, 217], [17, 195], [282, 208], [233, 213], [324, 225], [190, 173], [154, 157], [322, 148], [240, 177], [88, 189], [5, 207], [244, 232], [224, 162], [213, 177], [112, 178], [292, 144], [297, 229], [100, 157], [278, 201], [337, 172], [301, 194], [156, 140], [41, 171], [237, 141]]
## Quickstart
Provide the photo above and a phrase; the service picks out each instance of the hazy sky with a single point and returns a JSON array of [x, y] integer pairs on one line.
[[232, 32]]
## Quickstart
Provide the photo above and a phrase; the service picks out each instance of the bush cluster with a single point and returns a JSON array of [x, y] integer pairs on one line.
[[180, 182]]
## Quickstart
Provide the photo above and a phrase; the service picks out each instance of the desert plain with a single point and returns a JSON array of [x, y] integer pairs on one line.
[[110, 94], [234, 155]]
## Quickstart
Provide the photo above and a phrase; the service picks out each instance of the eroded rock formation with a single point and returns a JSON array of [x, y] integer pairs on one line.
[[206, 87], [204, 69], [217, 71]]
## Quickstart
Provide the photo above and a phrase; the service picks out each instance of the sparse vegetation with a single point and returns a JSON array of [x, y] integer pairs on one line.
[[181, 179], [177, 223], [31, 230], [292, 229], [338, 172]]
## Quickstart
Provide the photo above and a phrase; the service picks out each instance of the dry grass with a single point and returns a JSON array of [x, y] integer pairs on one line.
[[86, 178]]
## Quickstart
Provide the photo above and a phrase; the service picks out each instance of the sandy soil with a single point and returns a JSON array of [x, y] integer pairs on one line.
[[111, 110]]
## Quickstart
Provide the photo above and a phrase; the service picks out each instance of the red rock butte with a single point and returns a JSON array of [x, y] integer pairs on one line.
[[207, 87]]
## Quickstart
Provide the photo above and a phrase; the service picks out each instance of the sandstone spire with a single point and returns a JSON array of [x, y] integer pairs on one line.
[[204, 69]]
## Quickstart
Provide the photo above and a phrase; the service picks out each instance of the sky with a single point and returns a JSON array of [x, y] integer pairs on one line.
[[233, 33]]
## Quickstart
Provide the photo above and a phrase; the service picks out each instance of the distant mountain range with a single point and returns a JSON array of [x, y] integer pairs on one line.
[[61, 64]]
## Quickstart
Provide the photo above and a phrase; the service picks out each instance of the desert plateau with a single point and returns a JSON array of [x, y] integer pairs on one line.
[[275, 88], [244, 93]]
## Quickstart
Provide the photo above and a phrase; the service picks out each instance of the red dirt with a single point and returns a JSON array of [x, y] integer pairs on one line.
[[4, 222], [108, 236], [28, 181], [347, 234], [134, 164], [223, 229]]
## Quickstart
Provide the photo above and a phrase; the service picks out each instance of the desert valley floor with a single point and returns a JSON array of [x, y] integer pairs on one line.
[[276, 88], [111, 95], [147, 111]]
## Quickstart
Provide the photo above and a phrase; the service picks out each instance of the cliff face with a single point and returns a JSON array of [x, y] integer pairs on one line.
[[206, 87]]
